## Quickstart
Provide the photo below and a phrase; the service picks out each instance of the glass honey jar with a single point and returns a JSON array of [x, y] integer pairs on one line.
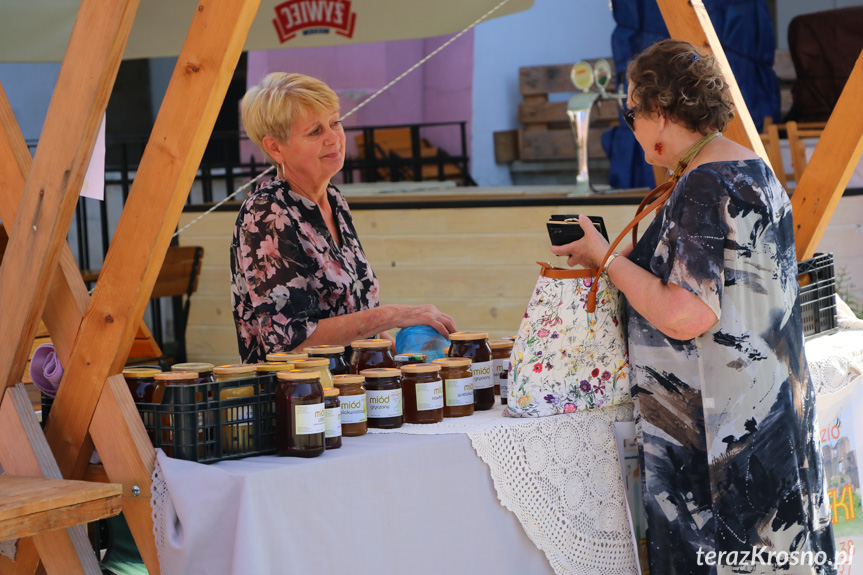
[[286, 357], [334, 353], [332, 418], [233, 372], [300, 414], [272, 367], [369, 354], [474, 345], [408, 358], [141, 382], [319, 364], [384, 397], [501, 349], [352, 396], [458, 386], [422, 393], [204, 370]]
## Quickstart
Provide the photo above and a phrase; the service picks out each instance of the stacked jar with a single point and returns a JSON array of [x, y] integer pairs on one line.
[[474, 346], [204, 371], [300, 414], [286, 357], [237, 420], [384, 397], [332, 419], [318, 364], [335, 354], [141, 382], [501, 349], [369, 354], [422, 392], [458, 386], [352, 396]]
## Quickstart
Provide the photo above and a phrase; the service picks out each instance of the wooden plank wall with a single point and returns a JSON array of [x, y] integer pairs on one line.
[[477, 264]]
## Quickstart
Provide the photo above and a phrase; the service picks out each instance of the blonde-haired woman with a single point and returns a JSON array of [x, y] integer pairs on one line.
[[299, 276]]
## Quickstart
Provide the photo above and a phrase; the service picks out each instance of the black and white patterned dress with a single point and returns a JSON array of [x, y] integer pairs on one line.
[[726, 421]]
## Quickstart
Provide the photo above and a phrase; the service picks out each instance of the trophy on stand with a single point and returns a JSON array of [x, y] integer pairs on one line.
[[584, 77]]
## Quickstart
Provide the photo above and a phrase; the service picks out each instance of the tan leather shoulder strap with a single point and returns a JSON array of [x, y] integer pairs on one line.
[[663, 191]]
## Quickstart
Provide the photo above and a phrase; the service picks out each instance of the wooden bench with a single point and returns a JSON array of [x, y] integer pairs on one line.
[[31, 505]]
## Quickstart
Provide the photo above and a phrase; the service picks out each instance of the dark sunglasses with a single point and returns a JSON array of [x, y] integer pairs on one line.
[[628, 115]]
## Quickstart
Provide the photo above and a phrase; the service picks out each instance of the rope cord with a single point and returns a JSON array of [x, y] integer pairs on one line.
[[248, 184]]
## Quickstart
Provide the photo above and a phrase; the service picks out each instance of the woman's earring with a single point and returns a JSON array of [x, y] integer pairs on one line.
[[282, 165], [658, 147]]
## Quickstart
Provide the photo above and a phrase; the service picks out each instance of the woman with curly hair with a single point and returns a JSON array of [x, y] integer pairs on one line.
[[732, 476]]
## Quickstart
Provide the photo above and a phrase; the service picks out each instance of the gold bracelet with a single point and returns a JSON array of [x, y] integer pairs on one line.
[[609, 260]]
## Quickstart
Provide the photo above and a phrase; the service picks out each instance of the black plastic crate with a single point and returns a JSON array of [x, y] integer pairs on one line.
[[817, 295], [192, 422]]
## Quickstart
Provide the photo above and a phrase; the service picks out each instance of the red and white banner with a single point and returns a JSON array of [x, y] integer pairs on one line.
[[314, 17]]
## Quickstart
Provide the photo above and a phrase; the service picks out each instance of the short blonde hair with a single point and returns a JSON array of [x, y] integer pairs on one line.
[[270, 107]]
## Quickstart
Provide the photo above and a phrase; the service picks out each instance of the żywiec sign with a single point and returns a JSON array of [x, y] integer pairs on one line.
[[314, 17]]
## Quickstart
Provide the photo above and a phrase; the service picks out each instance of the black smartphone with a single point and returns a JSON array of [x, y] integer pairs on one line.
[[564, 228]]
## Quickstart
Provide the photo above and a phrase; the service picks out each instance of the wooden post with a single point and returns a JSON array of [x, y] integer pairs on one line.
[[835, 157], [688, 20], [24, 452], [39, 230]]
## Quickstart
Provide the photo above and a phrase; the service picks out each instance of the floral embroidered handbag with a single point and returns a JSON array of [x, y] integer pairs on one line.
[[570, 350]]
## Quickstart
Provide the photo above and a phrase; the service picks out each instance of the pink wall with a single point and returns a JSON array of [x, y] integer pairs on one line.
[[438, 91]]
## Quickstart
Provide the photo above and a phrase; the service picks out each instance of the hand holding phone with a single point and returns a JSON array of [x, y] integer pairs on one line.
[[564, 228]]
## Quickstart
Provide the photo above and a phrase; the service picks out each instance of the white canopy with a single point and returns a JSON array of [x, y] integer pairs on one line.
[[39, 30]]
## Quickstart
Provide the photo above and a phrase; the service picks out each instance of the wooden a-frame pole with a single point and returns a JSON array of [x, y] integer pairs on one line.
[[688, 20], [188, 113], [838, 150], [827, 173], [36, 239]]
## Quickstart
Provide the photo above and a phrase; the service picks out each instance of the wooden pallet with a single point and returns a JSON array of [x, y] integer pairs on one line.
[[546, 134]]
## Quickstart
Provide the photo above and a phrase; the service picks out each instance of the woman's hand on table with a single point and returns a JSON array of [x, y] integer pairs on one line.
[[426, 314], [589, 251]]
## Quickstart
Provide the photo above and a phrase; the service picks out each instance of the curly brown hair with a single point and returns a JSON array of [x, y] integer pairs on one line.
[[674, 79]]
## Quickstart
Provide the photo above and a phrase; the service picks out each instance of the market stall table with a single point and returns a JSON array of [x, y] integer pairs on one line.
[[430, 499]]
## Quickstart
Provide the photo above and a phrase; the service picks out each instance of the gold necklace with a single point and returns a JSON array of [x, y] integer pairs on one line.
[[687, 158]]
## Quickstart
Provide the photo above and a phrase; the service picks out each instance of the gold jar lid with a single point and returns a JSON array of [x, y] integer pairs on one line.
[[310, 363], [370, 343], [501, 344], [194, 367], [271, 366], [176, 376], [420, 368], [140, 372], [298, 374], [376, 372], [331, 392], [348, 379], [286, 357], [234, 369], [453, 361], [468, 335], [325, 349]]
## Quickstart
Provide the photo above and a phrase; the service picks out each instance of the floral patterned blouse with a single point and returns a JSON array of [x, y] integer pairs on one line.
[[288, 272]]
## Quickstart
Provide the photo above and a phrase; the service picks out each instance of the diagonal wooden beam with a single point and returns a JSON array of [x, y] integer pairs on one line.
[[826, 175], [68, 296], [688, 20], [165, 176], [39, 230]]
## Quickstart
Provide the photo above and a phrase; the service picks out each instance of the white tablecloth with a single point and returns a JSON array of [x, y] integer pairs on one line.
[[427, 499]]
